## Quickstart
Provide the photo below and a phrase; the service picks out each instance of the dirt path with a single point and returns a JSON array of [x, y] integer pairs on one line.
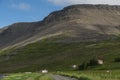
[[58, 77]]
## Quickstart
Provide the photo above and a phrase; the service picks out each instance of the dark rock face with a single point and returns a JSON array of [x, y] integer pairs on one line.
[[75, 23], [75, 11], [16, 32]]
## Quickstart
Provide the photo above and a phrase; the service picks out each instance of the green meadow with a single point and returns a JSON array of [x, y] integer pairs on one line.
[[58, 58], [27, 76], [93, 75]]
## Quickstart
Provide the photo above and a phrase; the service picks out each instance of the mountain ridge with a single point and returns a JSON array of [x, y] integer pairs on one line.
[[96, 22]]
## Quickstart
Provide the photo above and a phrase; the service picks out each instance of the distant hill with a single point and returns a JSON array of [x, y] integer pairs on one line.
[[70, 36]]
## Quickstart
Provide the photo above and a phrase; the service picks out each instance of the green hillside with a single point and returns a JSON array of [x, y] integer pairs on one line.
[[53, 56]]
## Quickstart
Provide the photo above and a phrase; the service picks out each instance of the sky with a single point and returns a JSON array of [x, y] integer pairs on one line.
[[12, 11]]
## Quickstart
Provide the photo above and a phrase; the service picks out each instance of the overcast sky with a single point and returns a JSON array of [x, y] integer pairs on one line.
[[12, 11]]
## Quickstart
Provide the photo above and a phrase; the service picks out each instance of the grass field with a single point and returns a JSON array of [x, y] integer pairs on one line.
[[28, 76], [94, 75], [80, 75]]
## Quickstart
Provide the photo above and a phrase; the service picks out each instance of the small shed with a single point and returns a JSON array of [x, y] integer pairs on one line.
[[74, 66], [100, 61], [44, 71]]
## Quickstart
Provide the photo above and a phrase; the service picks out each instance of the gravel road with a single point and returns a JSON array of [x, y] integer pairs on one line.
[[59, 77], [1, 76]]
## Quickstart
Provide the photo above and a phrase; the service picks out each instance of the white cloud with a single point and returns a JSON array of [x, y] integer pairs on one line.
[[21, 6], [68, 2]]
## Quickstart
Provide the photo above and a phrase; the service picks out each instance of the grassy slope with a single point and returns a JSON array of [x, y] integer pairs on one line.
[[60, 56]]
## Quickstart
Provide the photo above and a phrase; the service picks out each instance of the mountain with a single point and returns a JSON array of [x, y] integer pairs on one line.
[[69, 36], [76, 23]]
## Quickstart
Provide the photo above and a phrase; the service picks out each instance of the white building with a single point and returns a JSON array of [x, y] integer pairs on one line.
[[45, 71], [100, 62], [74, 66]]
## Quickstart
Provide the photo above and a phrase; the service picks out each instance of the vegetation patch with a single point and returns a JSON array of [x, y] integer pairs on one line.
[[117, 59]]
